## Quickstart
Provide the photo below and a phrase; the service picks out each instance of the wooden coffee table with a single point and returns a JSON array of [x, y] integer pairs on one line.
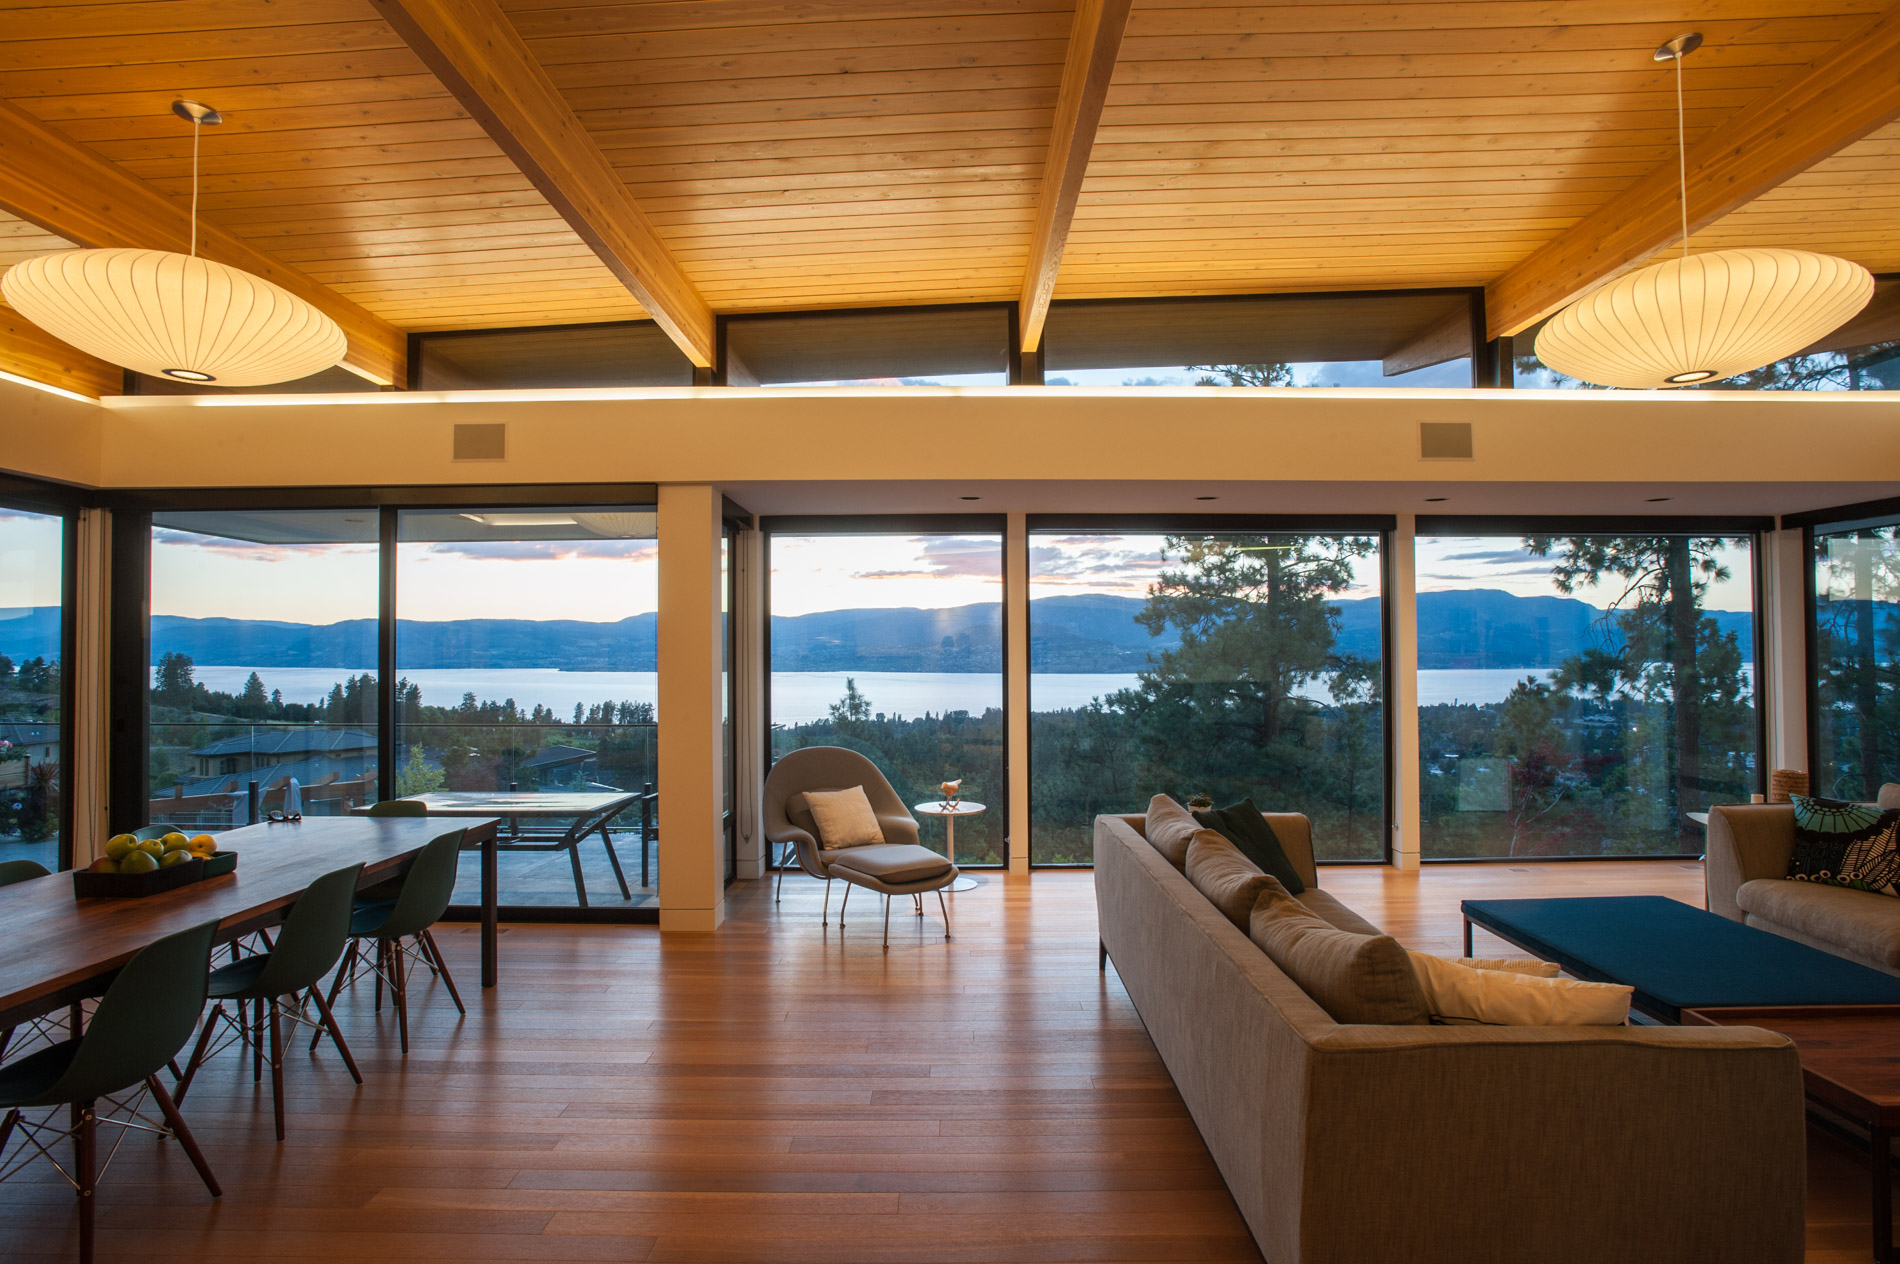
[[1850, 1064]]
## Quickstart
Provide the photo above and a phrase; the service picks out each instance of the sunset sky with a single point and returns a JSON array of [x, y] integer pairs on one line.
[[606, 580]]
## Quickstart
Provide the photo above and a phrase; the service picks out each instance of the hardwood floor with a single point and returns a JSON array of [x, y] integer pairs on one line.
[[778, 1092]]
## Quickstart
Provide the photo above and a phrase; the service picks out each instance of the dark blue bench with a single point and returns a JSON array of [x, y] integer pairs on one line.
[[1677, 957]]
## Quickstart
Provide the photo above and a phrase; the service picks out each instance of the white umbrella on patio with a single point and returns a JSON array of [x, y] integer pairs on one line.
[[293, 798]]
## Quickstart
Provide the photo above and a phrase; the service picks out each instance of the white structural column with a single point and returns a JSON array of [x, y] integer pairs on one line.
[[1404, 846], [90, 611], [692, 745], [1784, 587], [1016, 705]]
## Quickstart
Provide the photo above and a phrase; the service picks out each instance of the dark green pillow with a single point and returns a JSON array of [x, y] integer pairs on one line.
[[1854, 845], [1242, 825]]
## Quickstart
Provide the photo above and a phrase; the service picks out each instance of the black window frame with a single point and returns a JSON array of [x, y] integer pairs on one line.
[[1754, 527], [1385, 526], [56, 500]]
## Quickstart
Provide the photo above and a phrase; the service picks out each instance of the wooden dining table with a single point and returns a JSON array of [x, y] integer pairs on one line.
[[58, 949]]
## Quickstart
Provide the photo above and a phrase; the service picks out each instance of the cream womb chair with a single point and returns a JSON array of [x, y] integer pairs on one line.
[[899, 866]]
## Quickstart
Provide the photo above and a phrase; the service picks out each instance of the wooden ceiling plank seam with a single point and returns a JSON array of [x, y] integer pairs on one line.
[[48, 180], [1844, 96], [536, 22], [91, 52], [1094, 44], [157, 17], [471, 47]]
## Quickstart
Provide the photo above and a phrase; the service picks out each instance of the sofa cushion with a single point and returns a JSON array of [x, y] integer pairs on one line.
[[1457, 992], [1859, 921], [1327, 908], [844, 818], [1243, 825], [1169, 828], [1228, 879], [1853, 845], [894, 863], [1354, 978]]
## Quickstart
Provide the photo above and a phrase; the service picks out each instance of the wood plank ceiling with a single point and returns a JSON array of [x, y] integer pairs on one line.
[[808, 154]]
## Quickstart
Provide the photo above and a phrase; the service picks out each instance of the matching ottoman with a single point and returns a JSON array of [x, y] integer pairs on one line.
[[894, 869]]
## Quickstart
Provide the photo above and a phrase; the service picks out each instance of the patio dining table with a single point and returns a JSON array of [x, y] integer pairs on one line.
[[589, 813]]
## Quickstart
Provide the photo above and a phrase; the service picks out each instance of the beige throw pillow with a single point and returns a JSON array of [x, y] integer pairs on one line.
[[1354, 978], [844, 818], [1229, 880], [1169, 829], [1456, 992]]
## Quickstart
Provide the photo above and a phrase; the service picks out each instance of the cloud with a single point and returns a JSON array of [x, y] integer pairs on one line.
[[949, 557], [548, 550], [1495, 557]]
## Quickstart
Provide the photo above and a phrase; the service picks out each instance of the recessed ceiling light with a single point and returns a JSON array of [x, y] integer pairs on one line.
[[969, 498], [1207, 498], [1433, 500], [1657, 500]]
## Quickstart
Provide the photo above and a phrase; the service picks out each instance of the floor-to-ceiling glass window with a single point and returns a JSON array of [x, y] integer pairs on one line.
[[32, 561], [1581, 693], [263, 643], [526, 646], [889, 642], [1225, 663], [1856, 642]]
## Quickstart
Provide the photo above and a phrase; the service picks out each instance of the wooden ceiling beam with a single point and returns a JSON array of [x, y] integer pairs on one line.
[[1841, 98], [67, 189], [484, 63], [1095, 40]]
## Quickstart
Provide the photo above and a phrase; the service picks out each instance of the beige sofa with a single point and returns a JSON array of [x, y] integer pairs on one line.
[[1451, 1145], [1745, 870]]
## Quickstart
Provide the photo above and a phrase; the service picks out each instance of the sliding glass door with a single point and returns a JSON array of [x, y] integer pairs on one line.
[[889, 642], [1582, 693], [263, 661], [1856, 642], [527, 679], [1192, 661]]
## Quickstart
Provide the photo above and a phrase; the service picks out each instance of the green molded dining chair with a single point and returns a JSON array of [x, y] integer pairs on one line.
[[308, 944], [143, 1020], [400, 929], [12, 871], [390, 889]]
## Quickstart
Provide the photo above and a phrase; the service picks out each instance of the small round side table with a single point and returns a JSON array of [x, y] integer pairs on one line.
[[950, 812]]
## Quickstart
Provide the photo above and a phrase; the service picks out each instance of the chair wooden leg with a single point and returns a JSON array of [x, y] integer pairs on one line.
[[6, 1038], [887, 923], [825, 917], [187, 1142], [75, 1020], [626, 892], [842, 904], [85, 1172], [276, 1068], [257, 1042], [946, 913], [382, 967], [398, 989], [428, 940], [198, 1050], [580, 883], [6, 1128], [336, 985], [336, 1034]]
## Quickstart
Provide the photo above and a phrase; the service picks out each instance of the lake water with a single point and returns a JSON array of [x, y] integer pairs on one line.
[[800, 697]]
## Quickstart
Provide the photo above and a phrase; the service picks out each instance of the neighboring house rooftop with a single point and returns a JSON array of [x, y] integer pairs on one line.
[[287, 742]]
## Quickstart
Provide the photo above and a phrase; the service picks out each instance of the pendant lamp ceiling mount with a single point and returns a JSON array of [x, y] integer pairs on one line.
[[166, 314], [1697, 318]]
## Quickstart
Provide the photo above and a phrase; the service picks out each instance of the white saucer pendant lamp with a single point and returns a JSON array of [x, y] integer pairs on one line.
[[1702, 317], [1705, 317], [171, 315]]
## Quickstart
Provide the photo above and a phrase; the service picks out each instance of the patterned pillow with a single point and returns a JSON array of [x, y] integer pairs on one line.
[[1853, 845]]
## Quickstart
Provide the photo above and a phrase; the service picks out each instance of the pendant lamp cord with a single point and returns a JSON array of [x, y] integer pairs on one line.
[[1682, 161], [198, 128]]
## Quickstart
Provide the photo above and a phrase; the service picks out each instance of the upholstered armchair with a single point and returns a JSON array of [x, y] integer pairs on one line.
[[788, 822]]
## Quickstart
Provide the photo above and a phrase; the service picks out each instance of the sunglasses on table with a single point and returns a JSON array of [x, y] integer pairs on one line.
[[276, 817]]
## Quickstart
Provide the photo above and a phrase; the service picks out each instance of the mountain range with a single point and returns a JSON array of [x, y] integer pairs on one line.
[[1473, 628]]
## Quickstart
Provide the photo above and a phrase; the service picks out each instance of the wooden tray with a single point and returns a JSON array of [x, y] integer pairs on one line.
[[88, 885]]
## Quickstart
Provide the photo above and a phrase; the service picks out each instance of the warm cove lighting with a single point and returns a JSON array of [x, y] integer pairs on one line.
[[171, 315], [1702, 318]]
